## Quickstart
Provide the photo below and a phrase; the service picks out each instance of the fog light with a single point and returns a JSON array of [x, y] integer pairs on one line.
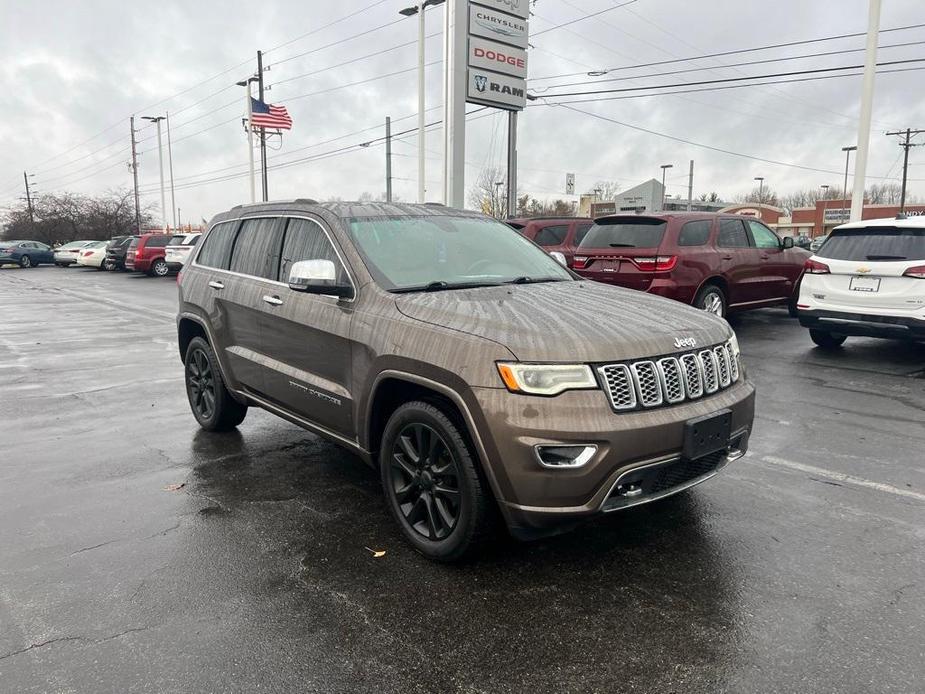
[[564, 456]]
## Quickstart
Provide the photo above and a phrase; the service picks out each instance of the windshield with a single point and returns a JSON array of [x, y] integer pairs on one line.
[[621, 232], [875, 244], [443, 252]]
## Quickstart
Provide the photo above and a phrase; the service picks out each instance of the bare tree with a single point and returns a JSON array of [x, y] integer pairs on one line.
[[605, 190], [489, 194], [764, 196]]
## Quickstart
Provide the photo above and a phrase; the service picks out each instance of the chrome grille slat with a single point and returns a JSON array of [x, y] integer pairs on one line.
[[669, 380], [648, 385]]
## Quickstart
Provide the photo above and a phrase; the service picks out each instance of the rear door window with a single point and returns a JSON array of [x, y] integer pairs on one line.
[[254, 249], [159, 241], [732, 234], [553, 235], [695, 233], [306, 240], [217, 246], [625, 233], [875, 244]]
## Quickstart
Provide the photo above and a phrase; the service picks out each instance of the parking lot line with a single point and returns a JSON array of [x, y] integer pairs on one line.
[[842, 477]]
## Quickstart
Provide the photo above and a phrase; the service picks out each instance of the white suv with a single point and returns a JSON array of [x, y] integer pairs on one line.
[[868, 278], [178, 250]]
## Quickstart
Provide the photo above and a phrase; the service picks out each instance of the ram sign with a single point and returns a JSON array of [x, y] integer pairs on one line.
[[492, 89], [489, 55]]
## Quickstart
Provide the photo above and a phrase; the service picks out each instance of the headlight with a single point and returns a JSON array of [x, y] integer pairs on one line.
[[545, 379]]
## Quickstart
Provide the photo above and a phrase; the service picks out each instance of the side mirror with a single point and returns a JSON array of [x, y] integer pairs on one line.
[[788, 242], [317, 277], [559, 258]]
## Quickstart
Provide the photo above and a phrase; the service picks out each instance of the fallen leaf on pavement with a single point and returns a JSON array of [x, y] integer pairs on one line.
[[174, 487], [376, 552]]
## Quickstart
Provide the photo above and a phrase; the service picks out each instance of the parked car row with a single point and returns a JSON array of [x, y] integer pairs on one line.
[[153, 253]]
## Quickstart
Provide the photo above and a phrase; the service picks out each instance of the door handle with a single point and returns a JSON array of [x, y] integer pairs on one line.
[[764, 257], [727, 257], [216, 285], [273, 300]]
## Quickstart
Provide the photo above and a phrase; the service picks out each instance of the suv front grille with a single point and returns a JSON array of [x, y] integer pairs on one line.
[[645, 384]]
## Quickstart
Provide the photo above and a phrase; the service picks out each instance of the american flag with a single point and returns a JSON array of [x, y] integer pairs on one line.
[[269, 116]]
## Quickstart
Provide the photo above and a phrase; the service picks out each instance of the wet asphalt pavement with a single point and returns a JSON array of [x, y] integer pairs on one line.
[[799, 569]]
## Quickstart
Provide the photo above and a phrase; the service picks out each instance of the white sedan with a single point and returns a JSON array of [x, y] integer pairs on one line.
[[93, 254], [67, 254]]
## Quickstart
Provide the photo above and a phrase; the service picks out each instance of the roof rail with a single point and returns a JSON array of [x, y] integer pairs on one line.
[[307, 201], [435, 204]]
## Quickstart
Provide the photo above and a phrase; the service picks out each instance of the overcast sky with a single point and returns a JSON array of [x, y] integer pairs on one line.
[[73, 72]]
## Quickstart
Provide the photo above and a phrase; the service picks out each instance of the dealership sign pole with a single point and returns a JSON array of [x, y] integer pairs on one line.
[[485, 62]]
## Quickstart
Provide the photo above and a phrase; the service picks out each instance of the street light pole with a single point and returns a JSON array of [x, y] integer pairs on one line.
[[665, 168], [131, 123], [173, 197], [825, 200], [847, 151], [419, 11], [160, 162], [250, 134]]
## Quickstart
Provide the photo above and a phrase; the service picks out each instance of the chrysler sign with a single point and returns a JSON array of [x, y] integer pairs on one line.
[[489, 55], [492, 89], [497, 26]]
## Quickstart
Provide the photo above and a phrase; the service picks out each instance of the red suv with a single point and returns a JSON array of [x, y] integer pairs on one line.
[[146, 254], [562, 234], [716, 262]]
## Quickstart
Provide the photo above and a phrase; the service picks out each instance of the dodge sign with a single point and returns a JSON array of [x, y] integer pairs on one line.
[[498, 57]]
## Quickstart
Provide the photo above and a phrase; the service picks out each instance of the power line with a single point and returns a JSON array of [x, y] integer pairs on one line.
[[659, 63], [581, 19], [733, 79]]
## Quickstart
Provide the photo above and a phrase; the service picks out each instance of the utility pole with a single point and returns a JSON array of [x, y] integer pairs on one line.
[[665, 168], [173, 199], [388, 159], [825, 202], [249, 110], [25, 177], [511, 163], [160, 162], [867, 104], [690, 187], [906, 144], [263, 131], [135, 177]]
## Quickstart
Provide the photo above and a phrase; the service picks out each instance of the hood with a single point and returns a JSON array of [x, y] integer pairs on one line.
[[568, 321]]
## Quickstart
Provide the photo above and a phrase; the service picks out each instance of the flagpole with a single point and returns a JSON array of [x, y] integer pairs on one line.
[[250, 142]]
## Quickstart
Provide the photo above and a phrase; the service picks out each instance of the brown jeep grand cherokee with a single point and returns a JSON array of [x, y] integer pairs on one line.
[[476, 373]]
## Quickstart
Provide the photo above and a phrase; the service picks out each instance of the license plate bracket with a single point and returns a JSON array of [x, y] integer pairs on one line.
[[707, 434], [864, 284]]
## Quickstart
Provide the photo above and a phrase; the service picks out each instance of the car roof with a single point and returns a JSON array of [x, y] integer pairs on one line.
[[348, 209], [527, 220], [670, 214], [914, 222]]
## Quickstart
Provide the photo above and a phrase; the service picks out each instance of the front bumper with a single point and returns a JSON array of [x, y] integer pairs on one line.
[[641, 448], [863, 324]]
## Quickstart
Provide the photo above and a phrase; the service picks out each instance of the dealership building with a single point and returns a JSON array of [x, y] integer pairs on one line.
[[819, 219], [646, 197]]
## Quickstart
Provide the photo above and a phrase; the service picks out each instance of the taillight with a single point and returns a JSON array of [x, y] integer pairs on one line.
[[814, 267], [86, 253], [580, 262], [918, 272], [661, 263]]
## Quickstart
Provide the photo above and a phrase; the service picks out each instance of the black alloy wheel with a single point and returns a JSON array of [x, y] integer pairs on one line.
[[200, 383], [425, 480]]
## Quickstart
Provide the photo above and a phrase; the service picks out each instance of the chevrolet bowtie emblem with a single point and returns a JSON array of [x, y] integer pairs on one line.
[[863, 270]]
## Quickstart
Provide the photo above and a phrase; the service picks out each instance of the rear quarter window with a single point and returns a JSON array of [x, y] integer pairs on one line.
[[875, 244], [217, 246], [695, 233], [159, 241]]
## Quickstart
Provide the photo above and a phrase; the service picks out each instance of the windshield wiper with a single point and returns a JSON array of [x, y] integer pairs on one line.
[[440, 286], [622, 245], [886, 257], [533, 280]]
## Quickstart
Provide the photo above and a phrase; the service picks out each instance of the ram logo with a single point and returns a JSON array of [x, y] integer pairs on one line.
[[480, 82], [685, 342]]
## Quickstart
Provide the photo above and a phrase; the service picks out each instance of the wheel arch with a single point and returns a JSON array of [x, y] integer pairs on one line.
[[717, 281]]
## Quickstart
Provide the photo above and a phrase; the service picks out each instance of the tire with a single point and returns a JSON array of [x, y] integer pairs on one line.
[[108, 265], [711, 299], [25, 261], [159, 268], [211, 403], [827, 340], [439, 500]]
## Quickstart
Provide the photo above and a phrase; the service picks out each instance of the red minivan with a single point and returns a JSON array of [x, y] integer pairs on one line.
[[562, 234], [146, 254], [717, 262]]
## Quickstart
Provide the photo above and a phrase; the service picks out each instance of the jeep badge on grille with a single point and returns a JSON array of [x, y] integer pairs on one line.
[[684, 342]]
